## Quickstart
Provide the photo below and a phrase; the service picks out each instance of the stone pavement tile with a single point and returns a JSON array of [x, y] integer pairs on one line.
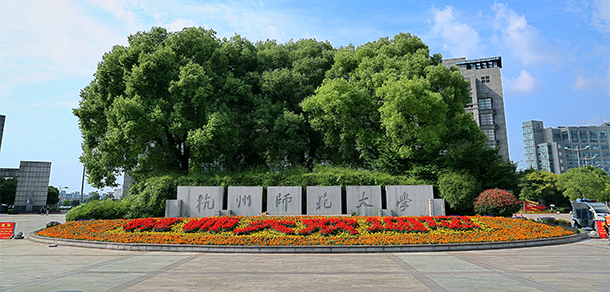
[[572, 282], [141, 263], [268, 281], [474, 282], [283, 263], [440, 264], [82, 282]]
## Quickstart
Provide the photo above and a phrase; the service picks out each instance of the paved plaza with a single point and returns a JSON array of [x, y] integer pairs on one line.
[[29, 266]]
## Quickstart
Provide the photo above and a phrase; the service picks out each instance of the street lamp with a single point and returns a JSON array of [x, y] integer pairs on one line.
[[60, 188], [82, 183], [580, 170]]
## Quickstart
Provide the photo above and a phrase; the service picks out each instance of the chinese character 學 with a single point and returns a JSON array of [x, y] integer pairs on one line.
[[362, 201], [204, 202], [403, 201], [326, 204], [245, 200], [279, 200]]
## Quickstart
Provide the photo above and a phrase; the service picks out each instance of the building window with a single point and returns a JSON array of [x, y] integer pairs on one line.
[[574, 136], [530, 157], [491, 134], [593, 136], [485, 104], [603, 137], [605, 147], [528, 137], [605, 154], [569, 154], [564, 136], [527, 130], [583, 135], [486, 119], [556, 136], [485, 79], [529, 143], [606, 161], [595, 147], [530, 150]]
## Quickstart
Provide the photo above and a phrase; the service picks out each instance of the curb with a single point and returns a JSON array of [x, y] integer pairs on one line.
[[308, 249]]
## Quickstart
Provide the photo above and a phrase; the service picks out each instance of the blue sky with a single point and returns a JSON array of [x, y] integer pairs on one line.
[[556, 55]]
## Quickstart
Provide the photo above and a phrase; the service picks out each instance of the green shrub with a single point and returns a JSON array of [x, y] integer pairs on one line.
[[459, 191], [496, 202], [103, 209]]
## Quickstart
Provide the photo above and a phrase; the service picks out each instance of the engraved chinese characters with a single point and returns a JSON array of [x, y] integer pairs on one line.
[[284, 200], [323, 200], [409, 200], [363, 200], [245, 201], [200, 201]]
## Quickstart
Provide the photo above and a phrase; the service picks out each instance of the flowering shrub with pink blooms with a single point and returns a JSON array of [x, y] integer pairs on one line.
[[496, 202]]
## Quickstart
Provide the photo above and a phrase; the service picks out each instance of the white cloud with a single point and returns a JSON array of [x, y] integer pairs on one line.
[[600, 18], [597, 12], [525, 83], [179, 24], [119, 8], [584, 83], [461, 39], [44, 40], [523, 39]]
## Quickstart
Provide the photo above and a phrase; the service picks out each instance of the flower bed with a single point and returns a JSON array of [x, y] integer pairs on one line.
[[306, 230]]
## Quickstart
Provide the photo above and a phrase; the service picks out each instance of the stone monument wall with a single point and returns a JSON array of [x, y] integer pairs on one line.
[[318, 200]]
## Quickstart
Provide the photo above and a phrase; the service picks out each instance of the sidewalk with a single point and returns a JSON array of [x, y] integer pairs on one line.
[[28, 266]]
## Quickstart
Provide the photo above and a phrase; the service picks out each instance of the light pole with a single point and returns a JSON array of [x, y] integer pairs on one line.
[[82, 183], [580, 170], [60, 188]]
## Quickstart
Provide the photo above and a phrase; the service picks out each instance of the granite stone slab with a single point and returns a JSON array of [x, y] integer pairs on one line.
[[245, 201], [409, 200], [284, 200], [323, 200], [363, 200]]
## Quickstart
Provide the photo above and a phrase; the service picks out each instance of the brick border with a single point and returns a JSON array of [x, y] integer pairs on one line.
[[308, 249]]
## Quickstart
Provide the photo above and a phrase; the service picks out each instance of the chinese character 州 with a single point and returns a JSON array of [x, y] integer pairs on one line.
[[327, 203], [283, 201], [362, 201], [403, 202], [204, 202], [246, 200]]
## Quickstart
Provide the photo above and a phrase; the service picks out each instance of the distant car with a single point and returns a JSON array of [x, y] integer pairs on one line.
[[584, 212]]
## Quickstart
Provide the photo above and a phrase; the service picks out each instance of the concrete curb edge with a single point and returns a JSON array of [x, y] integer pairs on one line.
[[308, 249]]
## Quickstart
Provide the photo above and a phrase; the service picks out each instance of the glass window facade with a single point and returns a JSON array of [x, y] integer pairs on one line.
[[574, 135], [592, 136], [583, 135], [485, 104], [486, 119]]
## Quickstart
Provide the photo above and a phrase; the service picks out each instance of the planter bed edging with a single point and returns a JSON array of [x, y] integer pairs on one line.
[[309, 249]]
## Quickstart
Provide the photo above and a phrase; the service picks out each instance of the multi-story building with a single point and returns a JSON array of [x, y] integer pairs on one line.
[[561, 148], [487, 99]]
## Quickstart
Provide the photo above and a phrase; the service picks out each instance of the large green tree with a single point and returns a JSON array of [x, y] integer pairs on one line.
[[52, 196], [390, 105], [542, 186], [588, 182], [178, 102], [174, 102], [8, 189]]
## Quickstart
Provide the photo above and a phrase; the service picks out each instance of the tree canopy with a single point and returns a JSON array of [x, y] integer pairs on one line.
[[588, 182], [187, 102]]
